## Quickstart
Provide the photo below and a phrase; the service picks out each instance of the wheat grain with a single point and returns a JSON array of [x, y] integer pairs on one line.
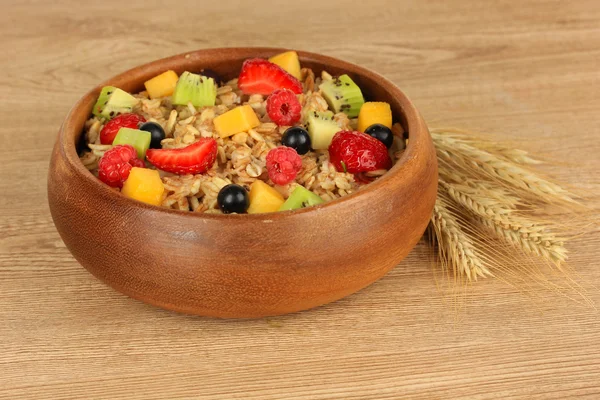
[[509, 153], [456, 246], [479, 162]]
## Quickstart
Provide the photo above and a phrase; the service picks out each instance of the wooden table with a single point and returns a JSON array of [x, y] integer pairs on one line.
[[528, 71]]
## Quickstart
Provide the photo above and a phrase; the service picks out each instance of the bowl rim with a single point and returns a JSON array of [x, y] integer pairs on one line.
[[409, 160]]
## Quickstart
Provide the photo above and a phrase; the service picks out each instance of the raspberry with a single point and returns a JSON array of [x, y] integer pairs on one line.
[[283, 164], [116, 163], [110, 130], [283, 107], [352, 151]]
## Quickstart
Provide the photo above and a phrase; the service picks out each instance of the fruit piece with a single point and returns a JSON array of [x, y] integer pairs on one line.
[[381, 133], [240, 119], [233, 199], [116, 163], [162, 85], [343, 95], [321, 128], [209, 73], [283, 164], [260, 76], [297, 138], [113, 101], [352, 151], [196, 158], [144, 185], [140, 140], [110, 130], [288, 61], [374, 112], [192, 88], [300, 198], [283, 107], [263, 198], [157, 133]]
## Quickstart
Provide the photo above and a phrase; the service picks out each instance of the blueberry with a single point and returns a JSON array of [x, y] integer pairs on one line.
[[209, 73], [381, 133], [157, 133], [297, 138], [233, 199]]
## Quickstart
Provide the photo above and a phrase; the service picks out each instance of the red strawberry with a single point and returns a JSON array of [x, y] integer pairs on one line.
[[196, 158], [116, 163], [260, 76], [110, 130], [352, 151], [283, 164], [283, 107]]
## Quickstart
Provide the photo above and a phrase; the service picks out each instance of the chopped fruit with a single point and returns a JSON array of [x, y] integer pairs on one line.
[[157, 133], [283, 107], [209, 73], [297, 138], [196, 158], [288, 61], [381, 133], [352, 151], [263, 198], [374, 112], [113, 101], [321, 128], [196, 89], [283, 164], [260, 76], [144, 185], [233, 199], [162, 85], [110, 130], [140, 140], [300, 198], [343, 95], [240, 119], [116, 163]]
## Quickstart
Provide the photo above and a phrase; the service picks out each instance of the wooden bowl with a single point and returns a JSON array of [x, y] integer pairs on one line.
[[238, 266]]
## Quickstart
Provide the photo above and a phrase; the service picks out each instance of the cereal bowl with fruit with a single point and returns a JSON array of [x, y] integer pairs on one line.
[[242, 182]]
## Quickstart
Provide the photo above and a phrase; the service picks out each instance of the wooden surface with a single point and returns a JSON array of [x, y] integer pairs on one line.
[[526, 70]]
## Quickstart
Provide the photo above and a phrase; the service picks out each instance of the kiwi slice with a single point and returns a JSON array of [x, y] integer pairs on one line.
[[300, 198], [196, 89], [140, 140], [113, 101], [321, 128], [343, 95]]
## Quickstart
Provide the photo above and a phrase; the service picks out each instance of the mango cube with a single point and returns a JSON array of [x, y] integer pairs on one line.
[[264, 198], [240, 119], [288, 61], [144, 185], [162, 85], [374, 112]]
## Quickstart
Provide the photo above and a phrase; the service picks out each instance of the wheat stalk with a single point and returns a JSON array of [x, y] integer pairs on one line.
[[474, 161], [509, 153], [520, 231], [456, 246]]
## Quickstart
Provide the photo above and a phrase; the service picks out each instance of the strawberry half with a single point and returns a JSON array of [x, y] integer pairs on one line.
[[193, 159], [260, 76]]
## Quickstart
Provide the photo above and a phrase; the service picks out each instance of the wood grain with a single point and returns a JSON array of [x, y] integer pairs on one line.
[[524, 70]]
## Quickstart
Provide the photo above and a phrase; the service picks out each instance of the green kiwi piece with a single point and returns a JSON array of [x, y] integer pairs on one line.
[[140, 140], [196, 89], [321, 127], [113, 101], [343, 95], [300, 198]]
